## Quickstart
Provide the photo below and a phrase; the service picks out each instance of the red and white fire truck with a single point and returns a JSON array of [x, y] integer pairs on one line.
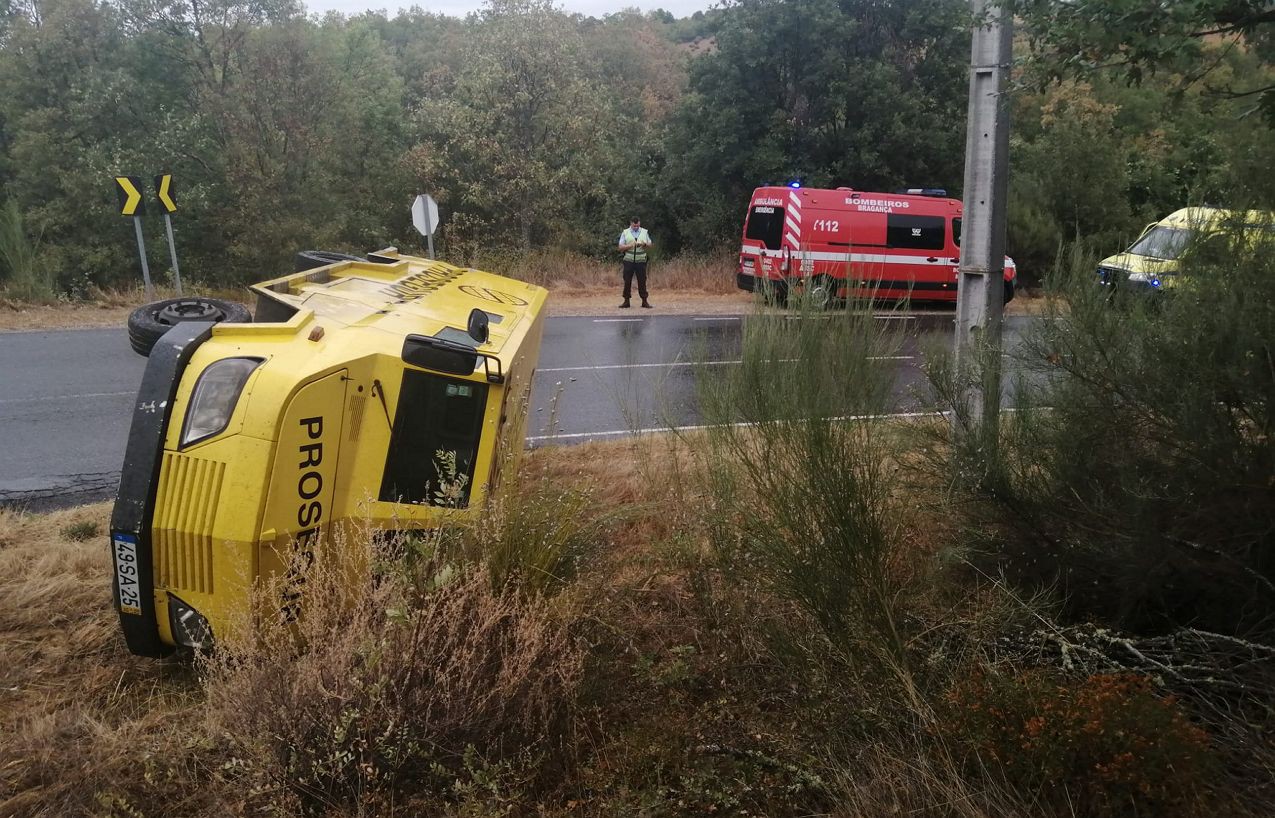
[[833, 244]]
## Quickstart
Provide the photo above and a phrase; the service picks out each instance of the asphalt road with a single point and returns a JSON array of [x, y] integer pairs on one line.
[[65, 397]]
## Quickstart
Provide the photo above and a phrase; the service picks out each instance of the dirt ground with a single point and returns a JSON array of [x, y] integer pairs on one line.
[[113, 311]]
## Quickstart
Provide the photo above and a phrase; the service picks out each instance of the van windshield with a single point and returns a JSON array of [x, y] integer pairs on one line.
[[1162, 242], [434, 443]]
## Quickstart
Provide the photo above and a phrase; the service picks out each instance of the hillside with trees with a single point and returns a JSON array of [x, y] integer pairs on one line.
[[535, 128]]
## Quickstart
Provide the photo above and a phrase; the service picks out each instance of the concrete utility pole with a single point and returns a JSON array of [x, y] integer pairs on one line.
[[980, 292]]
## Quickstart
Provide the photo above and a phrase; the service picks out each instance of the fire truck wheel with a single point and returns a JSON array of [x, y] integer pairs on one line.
[[309, 259], [822, 292], [146, 324], [774, 292]]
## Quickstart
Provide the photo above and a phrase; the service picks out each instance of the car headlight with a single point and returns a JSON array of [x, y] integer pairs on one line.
[[213, 401]]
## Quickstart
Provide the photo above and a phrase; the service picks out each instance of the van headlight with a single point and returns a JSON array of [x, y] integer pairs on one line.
[[188, 626], [213, 401]]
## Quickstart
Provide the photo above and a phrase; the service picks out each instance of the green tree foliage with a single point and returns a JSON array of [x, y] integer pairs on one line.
[[538, 128], [1140, 37], [837, 92], [521, 127]]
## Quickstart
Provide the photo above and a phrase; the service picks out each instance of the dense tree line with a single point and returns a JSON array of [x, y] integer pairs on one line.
[[538, 128]]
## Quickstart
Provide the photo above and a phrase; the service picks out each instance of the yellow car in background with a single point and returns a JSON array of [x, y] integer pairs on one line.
[[1154, 261], [376, 392]]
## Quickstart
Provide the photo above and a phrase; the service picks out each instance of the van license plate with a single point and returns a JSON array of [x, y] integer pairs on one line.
[[130, 595]]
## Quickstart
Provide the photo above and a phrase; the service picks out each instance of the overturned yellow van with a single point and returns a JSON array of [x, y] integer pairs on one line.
[[1154, 261], [373, 392]]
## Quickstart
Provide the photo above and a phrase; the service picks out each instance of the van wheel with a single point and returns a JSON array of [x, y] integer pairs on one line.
[[774, 292], [148, 323], [309, 259], [822, 292]]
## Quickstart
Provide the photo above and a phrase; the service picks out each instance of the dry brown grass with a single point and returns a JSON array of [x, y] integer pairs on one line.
[[564, 273], [85, 728], [397, 693], [654, 682]]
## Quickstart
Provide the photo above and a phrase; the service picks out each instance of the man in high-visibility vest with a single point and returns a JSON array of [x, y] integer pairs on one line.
[[633, 245]]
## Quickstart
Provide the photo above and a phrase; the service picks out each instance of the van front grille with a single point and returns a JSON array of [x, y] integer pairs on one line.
[[185, 512], [357, 404]]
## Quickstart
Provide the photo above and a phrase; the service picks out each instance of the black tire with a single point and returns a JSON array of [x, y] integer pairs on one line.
[[309, 259], [147, 324]]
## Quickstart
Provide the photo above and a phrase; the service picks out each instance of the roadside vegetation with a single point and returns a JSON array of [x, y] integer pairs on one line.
[[804, 609]]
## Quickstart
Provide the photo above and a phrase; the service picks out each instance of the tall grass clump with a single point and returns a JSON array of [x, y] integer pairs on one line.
[[801, 480], [23, 271], [535, 530]]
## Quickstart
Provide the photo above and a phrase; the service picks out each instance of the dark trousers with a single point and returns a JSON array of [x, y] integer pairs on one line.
[[634, 268]]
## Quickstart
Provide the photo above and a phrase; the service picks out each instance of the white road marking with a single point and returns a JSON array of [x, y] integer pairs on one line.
[[65, 397], [828, 317], [615, 320], [632, 366], [718, 318], [694, 363], [653, 430]]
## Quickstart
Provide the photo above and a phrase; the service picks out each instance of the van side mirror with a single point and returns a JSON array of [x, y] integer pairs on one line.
[[479, 326]]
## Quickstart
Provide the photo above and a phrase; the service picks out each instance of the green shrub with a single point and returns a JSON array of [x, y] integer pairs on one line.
[[1135, 477], [800, 481]]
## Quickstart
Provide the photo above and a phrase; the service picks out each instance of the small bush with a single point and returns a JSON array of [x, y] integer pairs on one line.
[[81, 530], [1103, 745], [399, 689], [535, 531]]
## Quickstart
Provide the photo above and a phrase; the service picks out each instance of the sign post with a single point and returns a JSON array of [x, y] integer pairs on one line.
[[164, 195], [129, 193], [980, 293], [425, 218]]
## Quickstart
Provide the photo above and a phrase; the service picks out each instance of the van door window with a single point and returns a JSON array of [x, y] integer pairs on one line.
[[956, 231], [438, 419], [915, 232], [766, 224]]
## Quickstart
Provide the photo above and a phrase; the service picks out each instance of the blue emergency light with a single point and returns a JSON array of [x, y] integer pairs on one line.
[[794, 184]]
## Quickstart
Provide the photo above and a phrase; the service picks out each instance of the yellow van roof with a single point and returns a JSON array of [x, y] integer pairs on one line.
[[1194, 218], [406, 294]]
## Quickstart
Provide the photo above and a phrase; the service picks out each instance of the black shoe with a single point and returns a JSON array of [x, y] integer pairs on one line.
[[646, 305], [625, 305]]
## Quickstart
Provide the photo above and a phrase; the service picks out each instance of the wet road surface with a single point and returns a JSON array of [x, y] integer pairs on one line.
[[66, 396]]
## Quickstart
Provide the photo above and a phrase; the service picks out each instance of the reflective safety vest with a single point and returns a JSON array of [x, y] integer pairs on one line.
[[628, 237]]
